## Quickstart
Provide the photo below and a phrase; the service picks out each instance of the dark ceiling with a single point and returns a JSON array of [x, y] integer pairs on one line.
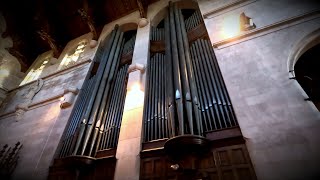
[[59, 18]]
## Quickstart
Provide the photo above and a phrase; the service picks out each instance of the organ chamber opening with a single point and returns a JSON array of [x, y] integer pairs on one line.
[[91, 138], [190, 128], [307, 73]]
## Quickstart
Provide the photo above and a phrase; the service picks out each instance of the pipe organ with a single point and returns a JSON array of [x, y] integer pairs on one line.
[[185, 91], [91, 137], [190, 129]]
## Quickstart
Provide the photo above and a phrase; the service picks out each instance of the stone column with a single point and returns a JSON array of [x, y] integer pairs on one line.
[[130, 138]]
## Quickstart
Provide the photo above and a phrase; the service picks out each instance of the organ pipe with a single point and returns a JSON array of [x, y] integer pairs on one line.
[[185, 92], [95, 121]]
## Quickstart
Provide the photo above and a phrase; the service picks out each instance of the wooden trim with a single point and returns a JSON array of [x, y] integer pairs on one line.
[[153, 145], [224, 134], [157, 46], [270, 28], [197, 32], [106, 153]]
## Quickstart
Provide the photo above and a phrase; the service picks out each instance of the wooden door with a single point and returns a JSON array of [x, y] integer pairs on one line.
[[224, 163], [233, 163]]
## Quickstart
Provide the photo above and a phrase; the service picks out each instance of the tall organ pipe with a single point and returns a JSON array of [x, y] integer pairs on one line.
[[169, 88], [122, 101], [190, 73], [110, 109], [146, 102], [215, 67], [104, 84], [101, 68], [176, 70], [183, 72], [104, 118]]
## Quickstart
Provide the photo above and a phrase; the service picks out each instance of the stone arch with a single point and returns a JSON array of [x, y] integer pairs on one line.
[[129, 26], [301, 47], [159, 16], [183, 4], [126, 26], [187, 4]]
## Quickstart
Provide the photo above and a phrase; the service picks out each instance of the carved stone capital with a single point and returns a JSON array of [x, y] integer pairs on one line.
[[68, 97], [136, 67]]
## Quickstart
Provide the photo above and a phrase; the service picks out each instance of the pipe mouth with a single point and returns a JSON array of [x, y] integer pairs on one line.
[[183, 145]]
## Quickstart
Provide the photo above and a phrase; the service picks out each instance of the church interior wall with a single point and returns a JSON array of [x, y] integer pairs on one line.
[[280, 127], [41, 123]]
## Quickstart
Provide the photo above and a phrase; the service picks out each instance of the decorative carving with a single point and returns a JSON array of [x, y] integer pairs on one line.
[[87, 19], [143, 22], [46, 37], [136, 67], [68, 97], [28, 97], [33, 90]]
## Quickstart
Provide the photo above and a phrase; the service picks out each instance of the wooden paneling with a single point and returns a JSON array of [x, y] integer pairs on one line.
[[100, 169], [225, 163]]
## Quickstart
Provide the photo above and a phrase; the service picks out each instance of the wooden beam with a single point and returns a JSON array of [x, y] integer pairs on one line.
[[142, 5]]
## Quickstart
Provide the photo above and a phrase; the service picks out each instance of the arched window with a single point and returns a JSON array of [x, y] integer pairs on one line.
[[73, 56], [35, 72], [308, 75]]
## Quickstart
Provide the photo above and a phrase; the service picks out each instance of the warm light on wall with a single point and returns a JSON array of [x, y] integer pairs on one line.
[[134, 97], [230, 26]]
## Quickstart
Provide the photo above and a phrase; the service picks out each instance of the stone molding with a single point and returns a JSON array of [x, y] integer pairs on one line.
[[57, 73], [230, 7], [69, 96], [136, 67], [268, 29], [70, 92]]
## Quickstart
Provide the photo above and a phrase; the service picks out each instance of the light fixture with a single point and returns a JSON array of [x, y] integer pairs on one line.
[[246, 23], [233, 25]]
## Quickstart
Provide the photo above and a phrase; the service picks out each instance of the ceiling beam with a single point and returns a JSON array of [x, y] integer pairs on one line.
[[46, 37], [143, 6], [88, 20]]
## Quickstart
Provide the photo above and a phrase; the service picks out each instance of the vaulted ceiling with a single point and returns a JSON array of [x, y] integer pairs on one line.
[[58, 18]]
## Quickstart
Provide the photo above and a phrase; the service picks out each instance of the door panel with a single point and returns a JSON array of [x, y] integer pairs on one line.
[[225, 163]]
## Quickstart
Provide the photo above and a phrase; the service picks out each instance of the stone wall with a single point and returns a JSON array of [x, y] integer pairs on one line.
[[36, 120], [281, 129]]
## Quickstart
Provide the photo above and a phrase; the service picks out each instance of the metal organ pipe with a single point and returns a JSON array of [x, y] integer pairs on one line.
[[96, 118], [169, 74], [176, 71], [185, 92]]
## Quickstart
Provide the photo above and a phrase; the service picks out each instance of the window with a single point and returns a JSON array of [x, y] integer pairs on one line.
[[35, 72], [73, 56]]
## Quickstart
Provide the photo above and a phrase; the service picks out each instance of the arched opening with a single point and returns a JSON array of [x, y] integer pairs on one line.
[[188, 116], [94, 125], [307, 74]]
